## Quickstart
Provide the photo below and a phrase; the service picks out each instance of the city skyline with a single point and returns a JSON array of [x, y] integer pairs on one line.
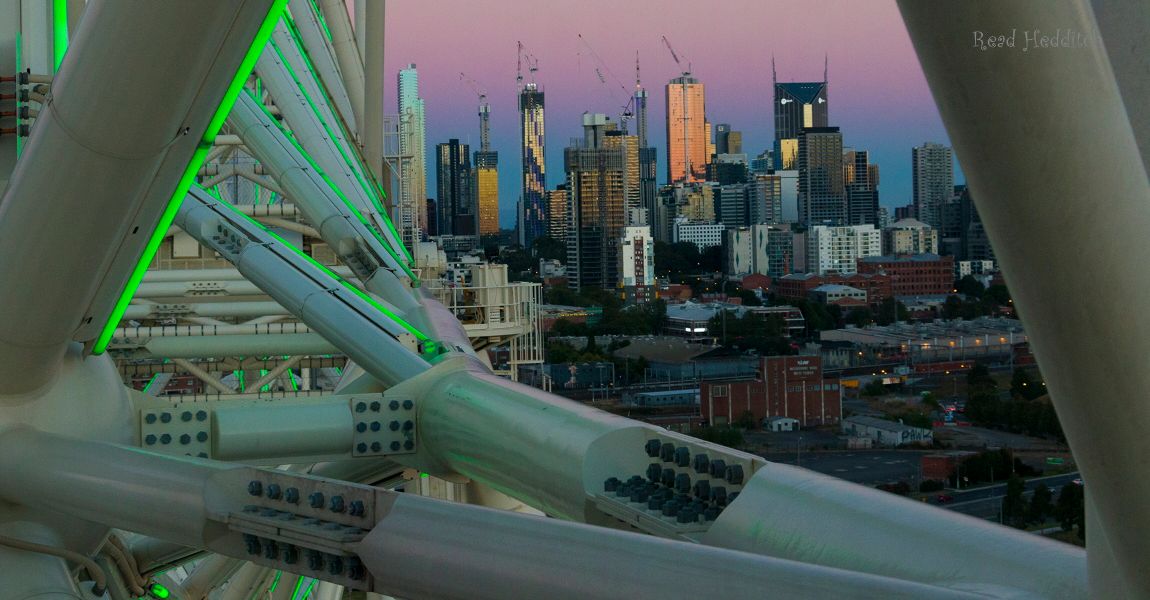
[[879, 95]]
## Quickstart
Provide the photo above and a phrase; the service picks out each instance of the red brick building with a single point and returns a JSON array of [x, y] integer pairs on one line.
[[913, 274], [791, 386], [798, 286]]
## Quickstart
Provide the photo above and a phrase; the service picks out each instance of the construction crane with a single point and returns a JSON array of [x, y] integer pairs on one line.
[[686, 113], [484, 112], [532, 65], [675, 56], [627, 111]]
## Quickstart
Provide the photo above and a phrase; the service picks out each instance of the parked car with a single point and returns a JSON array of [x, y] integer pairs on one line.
[[943, 498]]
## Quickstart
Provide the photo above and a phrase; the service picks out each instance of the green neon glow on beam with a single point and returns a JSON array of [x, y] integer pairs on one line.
[[370, 191], [298, 585], [419, 335], [150, 382], [331, 184], [319, 17], [239, 379], [59, 31], [201, 153], [159, 591], [307, 590]]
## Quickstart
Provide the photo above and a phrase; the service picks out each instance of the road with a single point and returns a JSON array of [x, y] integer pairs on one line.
[[870, 467], [986, 502]]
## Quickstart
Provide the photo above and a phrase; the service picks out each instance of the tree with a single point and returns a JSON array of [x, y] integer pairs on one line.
[[1070, 510], [875, 388], [710, 259], [1013, 504], [889, 310], [549, 248], [860, 317], [1022, 385], [1040, 505], [970, 287]]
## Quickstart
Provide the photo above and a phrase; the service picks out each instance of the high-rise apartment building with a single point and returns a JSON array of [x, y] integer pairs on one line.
[[485, 177], [909, 236], [687, 138], [647, 154], [933, 181], [629, 144], [558, 212], [761, 249], [860, 180], [533, 199], [839, 248], [411, 209], [486, 192], [637, 264], [797, 106], [822, 195], [456, 210], [597, 192], [765, 199], [727, 140]]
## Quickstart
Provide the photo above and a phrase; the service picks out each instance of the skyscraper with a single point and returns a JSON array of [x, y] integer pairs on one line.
[[933, 181], [486, 192], [410, 208], [485, 178], [533, 201], [647, 155], [860, 178], [456, 206], [557, 213], [687, 138], [629, 144], [797, 105], [596, 187], [822, 198]]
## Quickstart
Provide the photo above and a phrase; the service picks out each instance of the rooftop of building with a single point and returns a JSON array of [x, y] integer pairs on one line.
[[663, 349], [903, 258], [937, 333], [803, 91], [908, 223], [667, 393], [831, 288], [879, 423]]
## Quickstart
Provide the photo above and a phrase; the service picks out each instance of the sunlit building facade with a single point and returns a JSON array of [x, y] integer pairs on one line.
[[596, 184], [687, 139], [557, 213], [486, 191]]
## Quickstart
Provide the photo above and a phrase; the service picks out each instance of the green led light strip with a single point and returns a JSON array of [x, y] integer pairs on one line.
[[334, 188], [319, 17], [225, 107], [307, 590], [150, 382], [59, 31], [419, 335], [370, 190]]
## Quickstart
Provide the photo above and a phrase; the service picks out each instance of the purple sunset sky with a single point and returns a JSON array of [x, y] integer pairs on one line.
[[878, 94]]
